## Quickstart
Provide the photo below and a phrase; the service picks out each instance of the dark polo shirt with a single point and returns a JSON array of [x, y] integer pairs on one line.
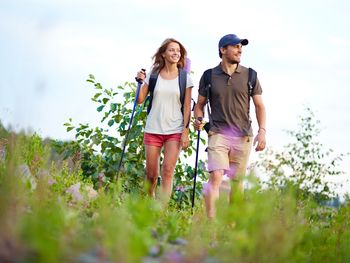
[[229, 101]]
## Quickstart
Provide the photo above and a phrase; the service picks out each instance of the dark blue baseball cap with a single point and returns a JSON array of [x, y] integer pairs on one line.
[[232, 39]]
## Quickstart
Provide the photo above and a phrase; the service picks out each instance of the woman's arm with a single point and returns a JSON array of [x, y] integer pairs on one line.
[[141, 75], [185, 142]]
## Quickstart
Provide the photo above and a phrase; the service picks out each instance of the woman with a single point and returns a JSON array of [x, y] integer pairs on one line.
[[168, 117]]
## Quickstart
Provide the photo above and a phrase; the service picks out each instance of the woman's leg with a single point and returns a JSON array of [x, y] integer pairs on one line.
[[152, 167], [171, 154]]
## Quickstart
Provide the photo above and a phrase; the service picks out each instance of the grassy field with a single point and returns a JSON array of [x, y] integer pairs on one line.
[[50, 212]]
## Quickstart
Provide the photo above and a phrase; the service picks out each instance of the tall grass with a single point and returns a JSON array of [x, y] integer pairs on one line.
[[46, 222]]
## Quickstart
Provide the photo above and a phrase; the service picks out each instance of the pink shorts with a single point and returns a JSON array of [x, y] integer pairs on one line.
[[159, 139]]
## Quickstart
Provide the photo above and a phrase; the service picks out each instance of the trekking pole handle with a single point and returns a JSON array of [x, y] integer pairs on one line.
[[199, 119], [198, 122], [138, 79]]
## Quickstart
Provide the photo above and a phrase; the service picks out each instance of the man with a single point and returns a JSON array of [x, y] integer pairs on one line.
[[230, 134]]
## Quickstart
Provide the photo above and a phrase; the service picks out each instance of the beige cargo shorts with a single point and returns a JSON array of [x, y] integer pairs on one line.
[[228, 153]]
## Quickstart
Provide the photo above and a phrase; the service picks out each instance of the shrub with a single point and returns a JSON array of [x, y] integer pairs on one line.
[[303, 164], [100, 149]]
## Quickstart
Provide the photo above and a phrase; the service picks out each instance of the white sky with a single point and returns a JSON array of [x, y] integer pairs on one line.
[[301, 50]]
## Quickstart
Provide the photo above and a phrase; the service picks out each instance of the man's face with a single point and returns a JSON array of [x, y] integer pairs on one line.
[[232, 53]]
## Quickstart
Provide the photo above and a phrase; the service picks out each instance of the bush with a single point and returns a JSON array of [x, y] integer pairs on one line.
[[99, 149], [303, 164]]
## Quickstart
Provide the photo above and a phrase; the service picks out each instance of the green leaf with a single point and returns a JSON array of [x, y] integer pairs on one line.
[[97, 95], [113, 106], [98, 86], [100, 108], [110, 123]]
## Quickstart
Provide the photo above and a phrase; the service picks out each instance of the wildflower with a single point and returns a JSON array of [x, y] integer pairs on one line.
[[51, 181], [91, 193], [74, 190], [180, 188]]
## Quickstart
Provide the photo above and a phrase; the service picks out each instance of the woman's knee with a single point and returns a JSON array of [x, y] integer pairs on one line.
[[168, 169], [152, 176]]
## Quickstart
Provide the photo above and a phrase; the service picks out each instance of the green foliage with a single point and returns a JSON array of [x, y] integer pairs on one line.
[[63, 219], [46, 224], [99, 149], [303, 164], [33, 152], [183, 181]]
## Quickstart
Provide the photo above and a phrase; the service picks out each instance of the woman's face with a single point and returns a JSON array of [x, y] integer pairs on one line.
[[172, 53]]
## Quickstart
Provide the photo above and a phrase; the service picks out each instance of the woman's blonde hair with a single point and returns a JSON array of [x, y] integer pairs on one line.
[[159, 61]]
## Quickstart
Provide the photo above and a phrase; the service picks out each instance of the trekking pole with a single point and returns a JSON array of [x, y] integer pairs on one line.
[[196, 164], [139, 83]]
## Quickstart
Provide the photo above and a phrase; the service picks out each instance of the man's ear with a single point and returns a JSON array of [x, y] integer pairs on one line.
[[222, 49]]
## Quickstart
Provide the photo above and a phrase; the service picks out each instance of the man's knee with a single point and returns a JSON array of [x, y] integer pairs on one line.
[[210, 188]]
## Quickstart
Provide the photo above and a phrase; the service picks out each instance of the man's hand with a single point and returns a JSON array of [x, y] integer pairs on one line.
[[198, 123], [260, 140]]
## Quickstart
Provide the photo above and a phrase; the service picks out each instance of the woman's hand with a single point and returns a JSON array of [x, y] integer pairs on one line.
[[141, 75], [185, 140]]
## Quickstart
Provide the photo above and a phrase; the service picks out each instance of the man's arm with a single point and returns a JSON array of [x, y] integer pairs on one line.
[[260, 113]]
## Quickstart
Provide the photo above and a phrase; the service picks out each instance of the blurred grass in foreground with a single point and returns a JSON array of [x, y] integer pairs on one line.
[[52, 214]]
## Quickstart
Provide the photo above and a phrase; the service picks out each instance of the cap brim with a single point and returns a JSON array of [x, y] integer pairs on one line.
[[244, 42]]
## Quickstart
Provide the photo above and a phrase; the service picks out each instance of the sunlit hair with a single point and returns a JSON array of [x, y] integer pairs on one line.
[[159, 61]]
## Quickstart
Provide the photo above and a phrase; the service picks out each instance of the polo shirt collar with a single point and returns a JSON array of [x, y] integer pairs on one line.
[[218, 69]]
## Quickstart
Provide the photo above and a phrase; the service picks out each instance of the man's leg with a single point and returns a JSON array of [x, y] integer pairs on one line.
[[239, 157], [218, 162], [171, 155], [211, 192], [152, 167]]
